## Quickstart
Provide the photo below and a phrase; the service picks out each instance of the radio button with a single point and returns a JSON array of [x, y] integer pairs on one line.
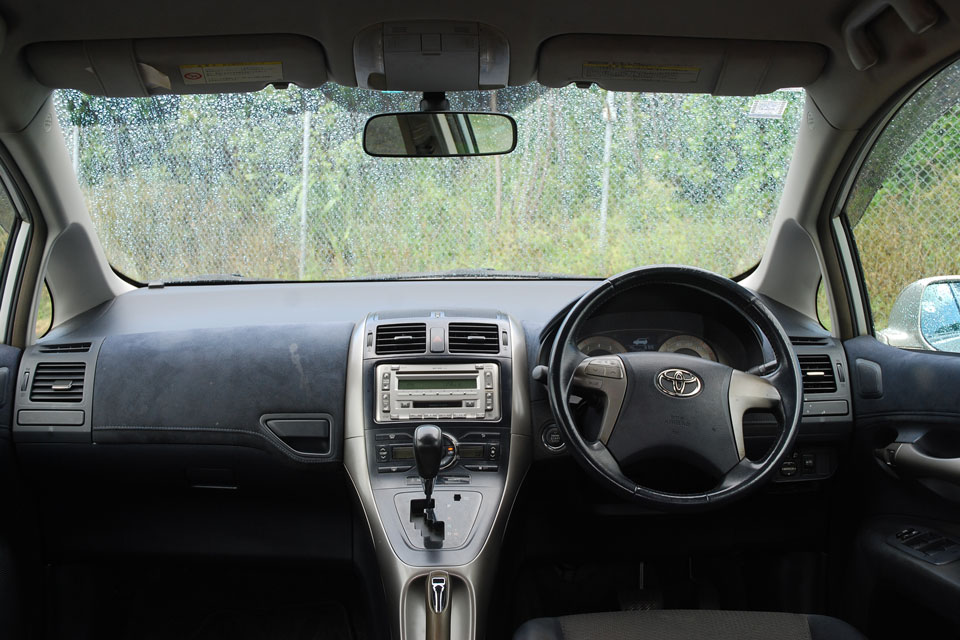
[[488, 379], [469, 404], [482, 467], [395, 469], [416, 416], [431, 416], [394, 416], [394, 437], [458, 416]]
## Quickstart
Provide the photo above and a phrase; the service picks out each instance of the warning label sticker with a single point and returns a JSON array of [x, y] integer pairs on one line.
[[635, 71], [231, 73]]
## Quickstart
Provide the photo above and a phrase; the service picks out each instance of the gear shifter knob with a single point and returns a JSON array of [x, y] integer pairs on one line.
[[428, 450]]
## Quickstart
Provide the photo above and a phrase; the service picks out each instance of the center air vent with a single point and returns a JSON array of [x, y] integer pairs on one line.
[[401, 338], [58, 382], [817, 374], [808, 341], [468, 337], [70, 347]]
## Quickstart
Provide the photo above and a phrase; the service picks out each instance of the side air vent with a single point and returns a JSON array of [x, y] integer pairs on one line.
[[805, 341], [401, 338], [58, 382], [468, 337], [71, 347], [817, 374]]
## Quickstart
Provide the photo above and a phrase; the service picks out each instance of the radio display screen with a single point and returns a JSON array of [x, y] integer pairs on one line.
[[408, 384]]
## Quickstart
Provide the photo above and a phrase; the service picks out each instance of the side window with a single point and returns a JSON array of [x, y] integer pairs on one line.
[[8, 217], [44, 312], [904, 210]]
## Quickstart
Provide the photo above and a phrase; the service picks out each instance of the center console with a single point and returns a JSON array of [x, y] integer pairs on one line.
[[437, 440]]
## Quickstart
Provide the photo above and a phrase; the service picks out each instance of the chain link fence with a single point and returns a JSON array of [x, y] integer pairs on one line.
[[905, 205], [276, 185]]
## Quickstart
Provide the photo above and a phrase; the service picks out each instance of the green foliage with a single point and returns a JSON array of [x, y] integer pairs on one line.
[[904, 206], [213, 184]]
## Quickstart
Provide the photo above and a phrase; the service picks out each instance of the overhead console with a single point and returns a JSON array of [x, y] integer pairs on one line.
[[431, 56]]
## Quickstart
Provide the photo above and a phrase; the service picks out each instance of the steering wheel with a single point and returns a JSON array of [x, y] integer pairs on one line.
[[670, 403]]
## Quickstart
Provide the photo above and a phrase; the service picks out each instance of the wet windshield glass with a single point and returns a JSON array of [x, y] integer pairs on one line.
[[275, 184]]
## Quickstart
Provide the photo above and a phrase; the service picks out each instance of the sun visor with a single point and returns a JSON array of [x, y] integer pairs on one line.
[[227, 64], [679, 65]]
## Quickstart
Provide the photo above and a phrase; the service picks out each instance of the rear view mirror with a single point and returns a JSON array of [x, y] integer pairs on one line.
[[439, 134]]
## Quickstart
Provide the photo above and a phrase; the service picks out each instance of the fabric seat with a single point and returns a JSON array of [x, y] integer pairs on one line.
[[688, 625]]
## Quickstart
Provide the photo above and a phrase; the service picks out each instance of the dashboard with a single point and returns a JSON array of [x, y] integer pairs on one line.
[[275, 406]]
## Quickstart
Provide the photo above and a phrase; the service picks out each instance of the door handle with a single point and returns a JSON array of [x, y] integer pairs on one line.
[[909, 458]]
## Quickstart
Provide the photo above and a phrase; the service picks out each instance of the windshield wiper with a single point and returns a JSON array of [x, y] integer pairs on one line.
[[483, 273]]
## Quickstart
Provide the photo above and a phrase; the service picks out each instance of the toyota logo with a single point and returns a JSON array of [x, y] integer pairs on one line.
[[679, 383]]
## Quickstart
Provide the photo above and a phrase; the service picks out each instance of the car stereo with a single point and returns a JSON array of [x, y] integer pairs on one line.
[[438, 392]]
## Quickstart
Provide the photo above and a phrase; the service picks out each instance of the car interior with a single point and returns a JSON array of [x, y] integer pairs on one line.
[[452, 321]]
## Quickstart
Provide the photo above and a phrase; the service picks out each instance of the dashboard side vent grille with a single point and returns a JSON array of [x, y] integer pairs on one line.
[[401, 338], [469, 337], [817, 373], [70, 347], [58, 382], [807, 341]]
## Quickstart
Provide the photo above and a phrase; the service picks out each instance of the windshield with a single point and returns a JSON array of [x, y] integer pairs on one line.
[[275, 184]]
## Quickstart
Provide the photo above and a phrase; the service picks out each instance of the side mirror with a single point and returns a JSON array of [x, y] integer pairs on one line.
[[439, 134], [926, 315]]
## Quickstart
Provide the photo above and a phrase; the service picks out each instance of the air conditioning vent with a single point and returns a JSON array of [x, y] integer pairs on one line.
[[817, 374], [805, 341], [467, 337], [401, 338], [71, 347], [58, 382]]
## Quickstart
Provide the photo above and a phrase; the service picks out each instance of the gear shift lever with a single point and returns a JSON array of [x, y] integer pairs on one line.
[[428, 452]]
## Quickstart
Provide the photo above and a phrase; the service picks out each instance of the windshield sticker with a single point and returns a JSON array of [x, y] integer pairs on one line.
[[644, 72], [772, 109], [231, 73]]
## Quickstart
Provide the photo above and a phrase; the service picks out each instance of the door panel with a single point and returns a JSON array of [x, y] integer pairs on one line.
[[12, 536], [902, 503]]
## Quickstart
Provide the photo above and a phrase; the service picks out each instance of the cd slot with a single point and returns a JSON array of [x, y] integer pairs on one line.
[[437, 404]]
